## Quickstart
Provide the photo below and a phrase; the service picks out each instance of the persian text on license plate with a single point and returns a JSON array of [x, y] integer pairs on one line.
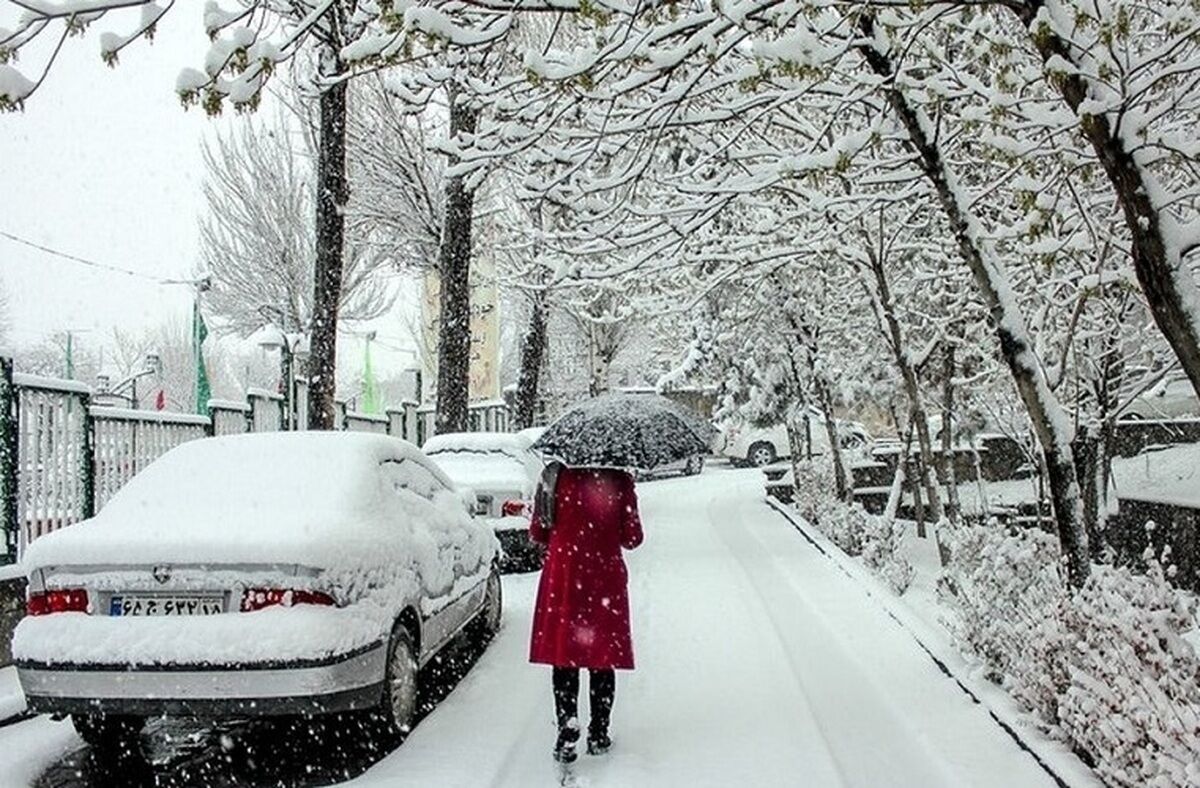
[[129, 605]]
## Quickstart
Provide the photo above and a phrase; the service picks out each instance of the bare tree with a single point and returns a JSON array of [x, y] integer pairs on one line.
[[257, 239]]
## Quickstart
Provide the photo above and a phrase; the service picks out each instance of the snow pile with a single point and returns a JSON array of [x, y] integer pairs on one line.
[[873, 539], [1106, 668]]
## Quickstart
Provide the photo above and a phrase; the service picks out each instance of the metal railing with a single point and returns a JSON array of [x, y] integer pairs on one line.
[[62, 458]]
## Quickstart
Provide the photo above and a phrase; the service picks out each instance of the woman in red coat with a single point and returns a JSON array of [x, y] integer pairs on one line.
[[585, 516]]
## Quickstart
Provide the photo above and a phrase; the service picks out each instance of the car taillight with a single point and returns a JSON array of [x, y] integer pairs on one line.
[[258, 598], [512, 508], [59, 600]]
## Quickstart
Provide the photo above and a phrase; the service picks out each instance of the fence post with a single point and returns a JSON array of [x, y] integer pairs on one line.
[[9, 467], [88, 458]]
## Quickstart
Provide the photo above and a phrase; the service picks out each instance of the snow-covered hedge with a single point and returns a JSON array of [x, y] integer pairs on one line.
[[1104, 668], [873, 539]]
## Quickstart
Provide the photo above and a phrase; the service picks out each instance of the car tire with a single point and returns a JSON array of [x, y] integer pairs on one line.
[[695, 465], [110, 735], [397, 710], [760, 454]]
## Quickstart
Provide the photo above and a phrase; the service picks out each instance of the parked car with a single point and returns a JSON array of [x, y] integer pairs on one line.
[[759, 446], [261, 574], [690, 466], [501, 471], [1173, 398]]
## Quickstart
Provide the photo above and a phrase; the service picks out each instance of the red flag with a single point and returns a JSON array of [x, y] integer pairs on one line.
[[160, 400]]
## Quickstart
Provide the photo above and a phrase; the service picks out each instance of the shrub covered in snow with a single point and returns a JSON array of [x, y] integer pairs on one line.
[[1008, 592], [874, 539], [1104, 668], [1133, 701], [881, 551]]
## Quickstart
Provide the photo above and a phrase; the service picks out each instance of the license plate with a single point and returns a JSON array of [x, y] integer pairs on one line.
[[129, 605]]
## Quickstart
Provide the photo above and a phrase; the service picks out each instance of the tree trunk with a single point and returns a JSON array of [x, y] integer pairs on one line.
[[1049, 420], [890, 325], [533, 351], [948, 470], [1166, 282], [843, 489], [332, 195], [454, 270]]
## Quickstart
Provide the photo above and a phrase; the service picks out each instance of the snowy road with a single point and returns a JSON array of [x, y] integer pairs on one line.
[[759, 664]]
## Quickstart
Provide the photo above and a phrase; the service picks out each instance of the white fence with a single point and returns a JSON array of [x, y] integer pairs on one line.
[[62, 458]]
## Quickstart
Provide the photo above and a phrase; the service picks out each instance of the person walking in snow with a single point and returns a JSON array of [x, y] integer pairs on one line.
[[585, 516]]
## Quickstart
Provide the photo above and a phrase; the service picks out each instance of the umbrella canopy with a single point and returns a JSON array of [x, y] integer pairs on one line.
[[640, 431]]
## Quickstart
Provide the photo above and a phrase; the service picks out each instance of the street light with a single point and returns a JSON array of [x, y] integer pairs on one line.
[[153, 363], [292, 348]]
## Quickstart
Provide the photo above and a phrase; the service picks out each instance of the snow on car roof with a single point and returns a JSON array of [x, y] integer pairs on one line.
[[477, 441], [230, 498]]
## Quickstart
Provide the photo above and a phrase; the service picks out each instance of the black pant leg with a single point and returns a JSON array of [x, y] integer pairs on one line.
[[602, 687], [566, 697]]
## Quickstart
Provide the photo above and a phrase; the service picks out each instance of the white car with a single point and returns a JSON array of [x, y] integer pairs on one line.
[[501, 471], [261, 574], [759, 446]]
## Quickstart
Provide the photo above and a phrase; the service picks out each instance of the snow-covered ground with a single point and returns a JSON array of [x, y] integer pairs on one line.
[[1169, 476], [761, 662]]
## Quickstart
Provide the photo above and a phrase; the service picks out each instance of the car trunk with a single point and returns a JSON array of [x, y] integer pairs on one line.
[[171, 589]]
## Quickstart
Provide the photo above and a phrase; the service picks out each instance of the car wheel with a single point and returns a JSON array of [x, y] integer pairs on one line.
[[110, 735], [694, 465], [761, 454], [398, 708], [486, 623]]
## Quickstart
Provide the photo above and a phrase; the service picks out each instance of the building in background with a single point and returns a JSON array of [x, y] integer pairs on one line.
[[485, 331]]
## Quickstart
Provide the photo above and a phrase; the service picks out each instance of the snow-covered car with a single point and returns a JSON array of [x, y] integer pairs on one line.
[[262, 574], [501, 471], [1173, 398], [689, 466], [759, 446]]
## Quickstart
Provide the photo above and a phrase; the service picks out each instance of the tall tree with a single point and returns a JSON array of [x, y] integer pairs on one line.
[[454, 272]]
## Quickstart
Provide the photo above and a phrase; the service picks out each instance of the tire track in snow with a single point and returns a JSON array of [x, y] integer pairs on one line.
[[691, 614], [710, 503], [773, 586]]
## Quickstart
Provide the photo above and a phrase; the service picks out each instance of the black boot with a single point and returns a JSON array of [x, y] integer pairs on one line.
[[603, 686], [566, 710], [599, 742], [564, 748]]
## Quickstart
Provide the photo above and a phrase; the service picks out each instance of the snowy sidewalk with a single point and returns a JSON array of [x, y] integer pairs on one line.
[[760, 663]]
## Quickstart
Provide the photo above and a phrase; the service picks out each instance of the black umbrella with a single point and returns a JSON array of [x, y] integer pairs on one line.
[[640, 431]]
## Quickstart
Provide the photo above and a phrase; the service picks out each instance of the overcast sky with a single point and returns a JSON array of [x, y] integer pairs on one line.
[[105, 164]]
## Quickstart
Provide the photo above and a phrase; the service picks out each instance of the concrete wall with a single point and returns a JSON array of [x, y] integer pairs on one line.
[[1131, 437], [1176, 526]]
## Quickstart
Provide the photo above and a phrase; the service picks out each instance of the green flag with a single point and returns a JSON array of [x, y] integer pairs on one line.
[[370, 395], [199, 334]]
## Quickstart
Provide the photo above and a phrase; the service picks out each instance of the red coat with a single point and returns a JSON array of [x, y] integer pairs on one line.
[[582, 615]]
